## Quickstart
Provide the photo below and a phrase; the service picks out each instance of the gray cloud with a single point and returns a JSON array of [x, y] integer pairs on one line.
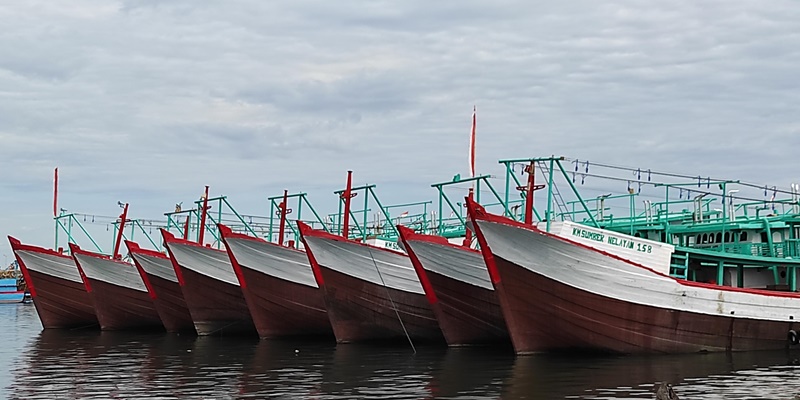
[[149, 101]]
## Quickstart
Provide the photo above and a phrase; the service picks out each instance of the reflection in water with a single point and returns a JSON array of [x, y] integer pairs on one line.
[[612, 377], [91, 364]]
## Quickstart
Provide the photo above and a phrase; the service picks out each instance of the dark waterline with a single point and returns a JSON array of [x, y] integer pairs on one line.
[[91, 364]]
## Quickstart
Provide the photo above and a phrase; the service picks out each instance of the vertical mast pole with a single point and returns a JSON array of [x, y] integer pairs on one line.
[[282, 210], [347, 195], [203, 217], [123, 217]]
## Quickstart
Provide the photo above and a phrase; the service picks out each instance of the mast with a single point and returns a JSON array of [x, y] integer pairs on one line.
[[186, 226], [203, 217], [123, 217], [529, 194], [347, 195], [467, 232], [282, 210]]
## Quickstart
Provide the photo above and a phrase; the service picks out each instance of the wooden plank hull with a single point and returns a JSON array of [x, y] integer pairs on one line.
[[281, 308], [279, 287], [162, 285], [362, 311], [217, 308], [457, 285], [62, 304], [121, 308]]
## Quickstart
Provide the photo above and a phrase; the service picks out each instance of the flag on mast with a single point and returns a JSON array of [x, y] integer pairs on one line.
[[472, 145], [55, 193]]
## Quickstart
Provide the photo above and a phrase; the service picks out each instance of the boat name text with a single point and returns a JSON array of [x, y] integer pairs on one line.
[[612, 240]]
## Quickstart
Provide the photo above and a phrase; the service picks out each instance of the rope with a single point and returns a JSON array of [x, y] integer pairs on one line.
[[391, 301]]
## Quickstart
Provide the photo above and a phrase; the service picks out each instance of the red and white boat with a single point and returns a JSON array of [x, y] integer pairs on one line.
[[210, 287], [368, 290], [575, 289], [117, 291], [458, 288], [159, 278], [56, 287], [279, 286]]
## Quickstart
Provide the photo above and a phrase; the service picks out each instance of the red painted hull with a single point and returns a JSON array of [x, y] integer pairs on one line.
[[282, 308], [544, 315], [120, 308], [170, 305], [467, 314], [362, 311], [61, 303], [216, 307]]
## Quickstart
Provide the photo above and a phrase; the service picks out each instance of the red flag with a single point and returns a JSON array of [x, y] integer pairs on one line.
[[472, 145], [55, 193]]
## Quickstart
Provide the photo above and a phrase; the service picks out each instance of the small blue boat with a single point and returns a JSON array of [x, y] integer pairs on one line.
[[12, 285]]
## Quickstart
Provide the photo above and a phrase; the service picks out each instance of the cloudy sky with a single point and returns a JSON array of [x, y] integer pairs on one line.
[[147, 101]]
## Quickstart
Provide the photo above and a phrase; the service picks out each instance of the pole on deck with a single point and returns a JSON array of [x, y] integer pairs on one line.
[[123, 217], [203, 217]]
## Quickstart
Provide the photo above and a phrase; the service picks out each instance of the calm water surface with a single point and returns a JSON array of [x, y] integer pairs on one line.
[[102, 365]]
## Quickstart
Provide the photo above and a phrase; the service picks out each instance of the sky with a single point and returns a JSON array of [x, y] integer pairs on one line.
[[146, 102]]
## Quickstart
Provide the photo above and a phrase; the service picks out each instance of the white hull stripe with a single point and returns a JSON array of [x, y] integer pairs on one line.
[[273, 260], [455, 263], [205, 261], [156, 266], [109, 271], [356, 260], [59, 267]]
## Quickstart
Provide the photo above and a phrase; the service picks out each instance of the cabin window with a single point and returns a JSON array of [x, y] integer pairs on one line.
[[719, 237], [764, 238], [743, 237]]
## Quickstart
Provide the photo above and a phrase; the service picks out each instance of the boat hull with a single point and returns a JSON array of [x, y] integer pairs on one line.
[[462, 296], [118, 294], [120, 308], [557, 294], [210, 288], [216, 307], [371, 293], [361, 311], [281, 308], [279, 287], [162, 285], [57, 291]]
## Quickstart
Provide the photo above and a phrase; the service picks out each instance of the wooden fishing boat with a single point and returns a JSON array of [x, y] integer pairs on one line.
[[159, 278], [279, 286], [117, 291], [458, 288], [210, 287], [567, 284], [371, 293], [56, 287]]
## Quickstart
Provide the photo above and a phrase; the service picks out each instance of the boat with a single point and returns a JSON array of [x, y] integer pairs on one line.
[[371, 291], [279, 286], [119, 296], [585, 284], [458, 288], [56, 287], [159, 278], [9, 292], [210, 287], [12, 285]]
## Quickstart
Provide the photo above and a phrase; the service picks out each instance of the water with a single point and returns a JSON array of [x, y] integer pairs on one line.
[[40, 364]]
